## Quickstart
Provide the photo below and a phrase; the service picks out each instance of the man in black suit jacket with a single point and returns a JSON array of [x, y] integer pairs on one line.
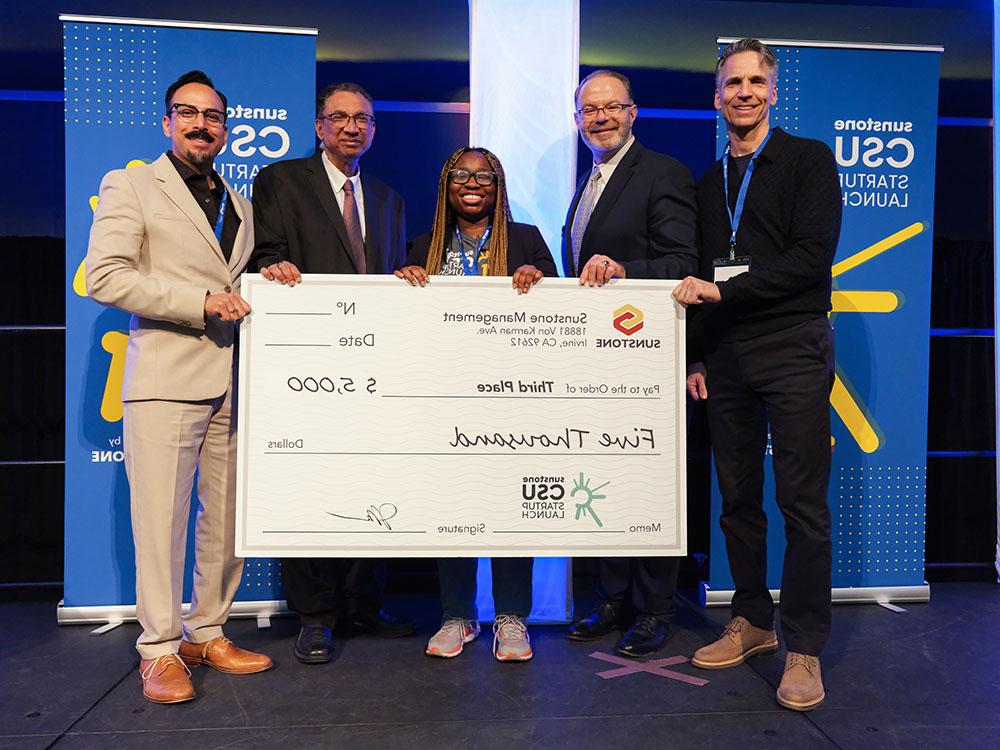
[[320, 215], [299, 219], [633, 216]]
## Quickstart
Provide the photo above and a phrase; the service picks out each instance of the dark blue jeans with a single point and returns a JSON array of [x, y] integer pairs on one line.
[[511, 586]]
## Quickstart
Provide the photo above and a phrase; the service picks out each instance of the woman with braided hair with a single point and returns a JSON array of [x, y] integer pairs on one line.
[[473, 234]]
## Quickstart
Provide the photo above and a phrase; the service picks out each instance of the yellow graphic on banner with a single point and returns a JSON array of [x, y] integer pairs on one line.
[[865, 302], [845, 401], [114, 343], [79, 278], [878, 248]]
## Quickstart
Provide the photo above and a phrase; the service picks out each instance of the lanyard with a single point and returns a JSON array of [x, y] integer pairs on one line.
[[741, 196], [471, 269], [222, 215]]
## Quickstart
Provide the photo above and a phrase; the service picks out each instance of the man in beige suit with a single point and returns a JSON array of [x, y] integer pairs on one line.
[[168, 243]]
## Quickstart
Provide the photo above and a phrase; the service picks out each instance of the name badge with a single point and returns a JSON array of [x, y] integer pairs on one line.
[[726, 268]]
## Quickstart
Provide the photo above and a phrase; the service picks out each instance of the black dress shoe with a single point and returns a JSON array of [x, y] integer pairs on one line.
[[646, 636], [314, 645], [382, 624], [604, 618]]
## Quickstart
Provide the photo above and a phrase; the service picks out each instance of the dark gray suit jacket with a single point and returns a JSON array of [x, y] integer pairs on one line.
[[645, 218], [296, 218]]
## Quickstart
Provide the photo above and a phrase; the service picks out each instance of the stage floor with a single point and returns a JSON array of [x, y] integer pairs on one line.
[[929, 678]]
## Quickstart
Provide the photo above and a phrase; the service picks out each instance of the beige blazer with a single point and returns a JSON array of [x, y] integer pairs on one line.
[[152, 253]]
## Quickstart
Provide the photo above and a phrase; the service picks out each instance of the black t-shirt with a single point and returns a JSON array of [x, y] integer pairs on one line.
[[737, 168], [210, 199]]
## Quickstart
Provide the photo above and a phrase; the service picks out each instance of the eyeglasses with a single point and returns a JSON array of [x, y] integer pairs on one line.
[[187, 113], [340, 119], [462, 176], [611, 110]]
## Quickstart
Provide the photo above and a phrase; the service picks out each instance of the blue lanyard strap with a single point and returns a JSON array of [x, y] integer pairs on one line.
[[471, 268], [741, 196], [222, 214]]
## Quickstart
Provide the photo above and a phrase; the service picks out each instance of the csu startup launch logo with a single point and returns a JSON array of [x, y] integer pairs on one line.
[[628, 319]]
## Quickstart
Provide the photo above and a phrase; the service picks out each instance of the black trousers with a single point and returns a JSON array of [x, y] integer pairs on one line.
[[322, 589], [643, 585], [782, 378], [511, 586]]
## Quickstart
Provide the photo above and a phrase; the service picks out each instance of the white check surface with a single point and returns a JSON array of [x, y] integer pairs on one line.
[[460, 419]]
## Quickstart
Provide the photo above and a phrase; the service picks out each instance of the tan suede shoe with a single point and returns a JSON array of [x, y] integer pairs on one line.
[[740, 640], [222, 654], [801, 687], [165, 679]]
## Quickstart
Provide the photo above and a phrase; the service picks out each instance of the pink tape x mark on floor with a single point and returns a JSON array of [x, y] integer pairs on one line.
[[656, 667]]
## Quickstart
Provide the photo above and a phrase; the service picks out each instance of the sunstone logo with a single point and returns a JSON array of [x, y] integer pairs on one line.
[[107, 457], [627, 320], [113, 454]]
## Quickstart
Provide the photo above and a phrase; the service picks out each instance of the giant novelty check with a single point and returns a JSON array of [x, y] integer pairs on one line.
[[460, 419]]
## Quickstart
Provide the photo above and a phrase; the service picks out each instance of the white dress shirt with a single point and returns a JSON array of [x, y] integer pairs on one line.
[[337, 180], [608, 168]]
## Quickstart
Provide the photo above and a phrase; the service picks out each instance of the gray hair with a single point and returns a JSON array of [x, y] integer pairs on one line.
[[333, 88], [621, 77], [767, 55]]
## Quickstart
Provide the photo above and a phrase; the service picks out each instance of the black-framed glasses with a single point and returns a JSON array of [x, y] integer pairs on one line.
[[188, 113], [340, 119], [462, 176], [611, 110]]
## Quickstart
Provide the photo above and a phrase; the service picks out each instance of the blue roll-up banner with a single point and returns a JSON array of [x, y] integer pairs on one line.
[[883, 133], [116, 74]]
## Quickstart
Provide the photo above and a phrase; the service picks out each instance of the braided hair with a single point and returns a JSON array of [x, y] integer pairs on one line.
[[444, 218]]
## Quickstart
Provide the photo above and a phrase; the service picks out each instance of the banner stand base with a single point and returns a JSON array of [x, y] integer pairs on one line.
[[859, 595], [106, 627], [121, 613]]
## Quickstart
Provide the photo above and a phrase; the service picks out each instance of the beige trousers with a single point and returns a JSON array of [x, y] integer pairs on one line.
[[164, 442]]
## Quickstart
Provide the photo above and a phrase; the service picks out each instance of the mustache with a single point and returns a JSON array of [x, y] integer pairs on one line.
[[201, 134]]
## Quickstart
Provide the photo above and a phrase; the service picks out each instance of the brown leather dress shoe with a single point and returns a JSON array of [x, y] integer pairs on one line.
[[165, 679], [222, 654], [801, 687], [739, 641]]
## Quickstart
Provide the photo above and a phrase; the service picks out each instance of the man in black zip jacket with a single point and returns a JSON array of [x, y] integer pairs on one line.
[[769, 216]]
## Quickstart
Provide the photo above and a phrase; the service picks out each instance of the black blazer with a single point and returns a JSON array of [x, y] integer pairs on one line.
[[296, 218], [525, 245], [645, 218]]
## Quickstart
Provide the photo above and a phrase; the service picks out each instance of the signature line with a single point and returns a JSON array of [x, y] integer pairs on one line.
[[314, 531]]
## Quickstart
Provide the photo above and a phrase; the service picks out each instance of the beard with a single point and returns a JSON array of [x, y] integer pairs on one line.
[[610, 140], [200, 157]]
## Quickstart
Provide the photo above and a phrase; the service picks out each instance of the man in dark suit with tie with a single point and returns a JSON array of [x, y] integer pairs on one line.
[[633, 216], [321, 215]]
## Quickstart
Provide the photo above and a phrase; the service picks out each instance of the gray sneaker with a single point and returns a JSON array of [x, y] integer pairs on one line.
[[510, 639], [451, 637]]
